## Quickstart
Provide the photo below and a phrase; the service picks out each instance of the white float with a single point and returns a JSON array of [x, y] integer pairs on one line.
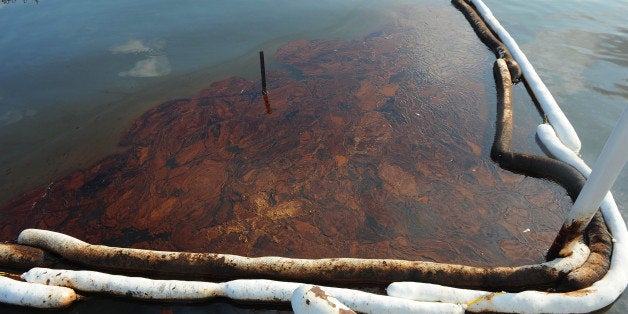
[[132, 287], [314, 300], [241, 290], [34, 294]]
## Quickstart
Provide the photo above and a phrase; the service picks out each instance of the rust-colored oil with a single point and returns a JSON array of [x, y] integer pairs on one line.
[[377, 147]]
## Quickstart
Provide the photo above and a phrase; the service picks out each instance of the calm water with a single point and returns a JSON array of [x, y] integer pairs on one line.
[[67, 84]]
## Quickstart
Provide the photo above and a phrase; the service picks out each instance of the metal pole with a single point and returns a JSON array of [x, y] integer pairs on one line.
[[604, 173], [263, 70], [264, 90]]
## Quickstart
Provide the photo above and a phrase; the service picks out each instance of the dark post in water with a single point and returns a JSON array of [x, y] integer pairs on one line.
[[264, 90]]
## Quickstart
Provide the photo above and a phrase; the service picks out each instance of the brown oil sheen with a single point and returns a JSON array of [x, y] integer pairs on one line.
[[377, 147]]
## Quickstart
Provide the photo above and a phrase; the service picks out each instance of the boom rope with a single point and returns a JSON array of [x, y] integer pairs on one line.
[[487, 36]]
